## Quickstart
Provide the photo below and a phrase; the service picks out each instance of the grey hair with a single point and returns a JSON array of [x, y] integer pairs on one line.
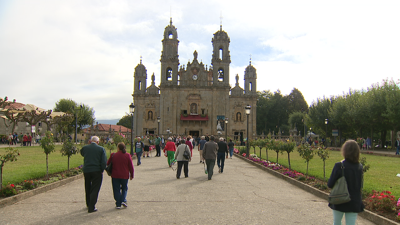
[[202, 137], [95, 139], [221, 139], [169, 139]]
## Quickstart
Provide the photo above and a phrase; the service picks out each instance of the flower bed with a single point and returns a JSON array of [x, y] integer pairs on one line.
[[14, 189]]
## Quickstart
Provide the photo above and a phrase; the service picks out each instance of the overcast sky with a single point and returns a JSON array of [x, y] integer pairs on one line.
[[87, 50]]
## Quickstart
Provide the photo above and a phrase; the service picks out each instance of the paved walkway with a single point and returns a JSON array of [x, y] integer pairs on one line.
[[243, 194]]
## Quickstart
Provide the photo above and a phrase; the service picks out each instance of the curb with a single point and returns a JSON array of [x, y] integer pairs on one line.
[[366, 214], [27, 194]]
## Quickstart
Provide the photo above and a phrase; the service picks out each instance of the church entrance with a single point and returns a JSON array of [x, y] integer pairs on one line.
[[194, 133]]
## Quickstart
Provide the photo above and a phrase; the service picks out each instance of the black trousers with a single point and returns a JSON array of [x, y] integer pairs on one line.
[[185, 165], [158, 150], [210, 163], [93, 182]]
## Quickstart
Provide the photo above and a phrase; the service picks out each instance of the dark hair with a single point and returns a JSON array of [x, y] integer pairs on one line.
[[351, 151], [183, 141], [230, 140], [121, 147], [188, 138], [212, 138]]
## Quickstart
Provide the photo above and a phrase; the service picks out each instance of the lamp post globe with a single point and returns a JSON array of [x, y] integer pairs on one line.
[[326, 133], [247, 111], [226, 130], [132, 111], [158, 120]]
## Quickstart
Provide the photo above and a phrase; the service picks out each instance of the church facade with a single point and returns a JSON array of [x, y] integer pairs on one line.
[[193, 99]]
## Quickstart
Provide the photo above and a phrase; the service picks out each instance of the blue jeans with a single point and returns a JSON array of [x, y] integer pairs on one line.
[[120, 189], [221, 160], [350, 217], [139, 155], [398, 149], [231, 152]]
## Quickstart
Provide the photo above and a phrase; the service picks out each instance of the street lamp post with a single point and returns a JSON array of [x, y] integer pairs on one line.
[[76, 123], [226, 129], [310, 133], [326, 132], [158, 120], [131, 111], [247, 110]]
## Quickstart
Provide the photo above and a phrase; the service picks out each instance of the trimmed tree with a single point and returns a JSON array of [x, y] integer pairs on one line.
[[306, 153], [323, 153], [48, 146], [110, 146], [287, 147], [68, 149], [10, 156]]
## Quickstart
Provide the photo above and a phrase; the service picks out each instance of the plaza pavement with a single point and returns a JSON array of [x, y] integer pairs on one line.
[[243, 194]]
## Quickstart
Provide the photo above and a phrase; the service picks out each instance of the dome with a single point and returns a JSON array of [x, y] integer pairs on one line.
[[170, 32], [221, 34]]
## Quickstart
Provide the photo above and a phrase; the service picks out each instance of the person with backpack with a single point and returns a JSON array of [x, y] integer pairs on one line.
[[139, 147], [183, 157]]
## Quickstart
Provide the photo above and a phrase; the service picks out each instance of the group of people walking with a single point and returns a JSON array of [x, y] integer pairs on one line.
[[23, 139], [95, 161]]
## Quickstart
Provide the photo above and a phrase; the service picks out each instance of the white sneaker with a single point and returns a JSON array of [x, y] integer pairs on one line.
[[118, 207]]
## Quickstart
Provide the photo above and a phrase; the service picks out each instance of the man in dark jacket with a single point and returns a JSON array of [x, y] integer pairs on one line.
[[209, 154], [222, 152], [94, 163]]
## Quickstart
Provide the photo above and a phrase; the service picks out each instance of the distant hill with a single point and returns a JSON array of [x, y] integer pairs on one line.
[[112, 122]]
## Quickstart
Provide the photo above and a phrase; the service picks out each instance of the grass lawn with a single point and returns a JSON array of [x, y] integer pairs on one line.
[[380, 177], [31, 164]]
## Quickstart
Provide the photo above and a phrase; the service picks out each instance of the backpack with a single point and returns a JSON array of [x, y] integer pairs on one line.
[[186, 153]]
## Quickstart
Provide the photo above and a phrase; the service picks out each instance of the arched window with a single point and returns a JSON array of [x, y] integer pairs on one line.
[[250, 86], [170, 35], [140, 85], [169, 74], [221, 53], [220, 74], [238, 116], [179, 80], [150, 115], [193, 108]]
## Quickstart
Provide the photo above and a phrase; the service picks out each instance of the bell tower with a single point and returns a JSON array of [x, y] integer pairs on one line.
[[250, 80], [221, 58], [169, 56], [140, 77]]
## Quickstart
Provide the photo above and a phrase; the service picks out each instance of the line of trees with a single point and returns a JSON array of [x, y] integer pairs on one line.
[[372, 112]]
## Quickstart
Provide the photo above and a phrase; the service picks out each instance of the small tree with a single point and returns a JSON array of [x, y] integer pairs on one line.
[[110, 146], [10, 156], [275, 145], [323, 153], [118, 138], [288, 147], [261, 143], [48, 146], [68, 149], [306, 153]]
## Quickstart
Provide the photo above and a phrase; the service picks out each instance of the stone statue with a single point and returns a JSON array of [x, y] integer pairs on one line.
[[219, 128]]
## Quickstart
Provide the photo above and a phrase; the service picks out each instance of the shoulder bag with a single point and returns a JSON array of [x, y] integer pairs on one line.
[[109, 167], [186, 154], [340, 193]]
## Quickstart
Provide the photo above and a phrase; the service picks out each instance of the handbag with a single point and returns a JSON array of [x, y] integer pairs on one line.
[[109, 167], [186, 154], [340, 193]]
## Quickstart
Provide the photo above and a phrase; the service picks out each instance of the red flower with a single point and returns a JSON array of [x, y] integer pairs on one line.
[[12, 185]]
